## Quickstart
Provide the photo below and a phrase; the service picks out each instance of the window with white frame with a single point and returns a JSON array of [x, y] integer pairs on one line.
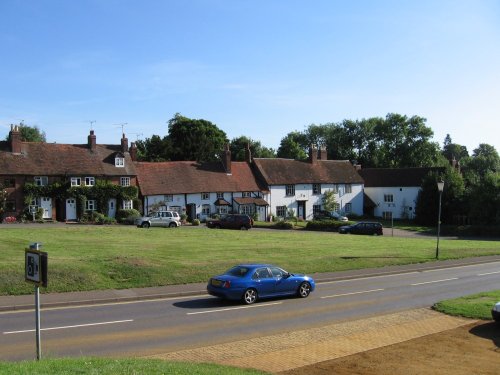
[[205, 196], [348, 208], [387, 215], [220, 195], [41, 180], [89, 181], [290, 190], [119, 162], [222, 210], [336, 207], [246, 194], [168, 198], [316, 188], [205, 209], [246, 209], [281, 211], [127, 205], [316, 209], [124, 181], [388, 198], [76, 181], [348, 188], [90, 205]]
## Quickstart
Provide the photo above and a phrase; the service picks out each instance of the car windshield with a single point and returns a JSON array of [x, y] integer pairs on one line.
[[237, 271]]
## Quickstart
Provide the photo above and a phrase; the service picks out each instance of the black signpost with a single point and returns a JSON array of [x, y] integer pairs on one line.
[[36, 265]]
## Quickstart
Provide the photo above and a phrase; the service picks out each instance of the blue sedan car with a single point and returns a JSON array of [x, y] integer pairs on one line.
[[250, 282]]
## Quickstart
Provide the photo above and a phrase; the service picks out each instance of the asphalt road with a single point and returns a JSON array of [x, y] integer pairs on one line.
[[159, 326]]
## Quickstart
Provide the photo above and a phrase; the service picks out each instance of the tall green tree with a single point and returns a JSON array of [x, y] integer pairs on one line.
[[238, 146], [154, 149], [292, 146], [191, 139], [453, 150]]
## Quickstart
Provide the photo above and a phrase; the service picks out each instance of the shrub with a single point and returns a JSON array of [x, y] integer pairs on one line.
[[326, 225], [283, 225], [127, 216], [99, 218], [196, 222]]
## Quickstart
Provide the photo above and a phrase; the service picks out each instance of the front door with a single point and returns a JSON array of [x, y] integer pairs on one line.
[[112, 207], [46, 204], [71, 209], [301, 210]]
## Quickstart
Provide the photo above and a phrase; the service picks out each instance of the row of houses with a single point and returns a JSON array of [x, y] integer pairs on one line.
[[60, 173]]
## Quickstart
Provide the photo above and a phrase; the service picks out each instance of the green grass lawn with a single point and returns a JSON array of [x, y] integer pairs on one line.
[[102, 257], [476, 306], [103, 366]]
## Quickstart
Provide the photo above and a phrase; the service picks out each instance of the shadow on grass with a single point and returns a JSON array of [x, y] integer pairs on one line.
[[489, 331]]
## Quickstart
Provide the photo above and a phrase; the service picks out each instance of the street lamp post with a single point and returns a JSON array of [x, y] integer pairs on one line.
[[440, 186]]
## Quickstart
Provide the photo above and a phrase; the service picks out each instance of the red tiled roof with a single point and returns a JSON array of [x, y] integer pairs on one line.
[[179, 177], [48, 159], [288, 171], [396, 177]]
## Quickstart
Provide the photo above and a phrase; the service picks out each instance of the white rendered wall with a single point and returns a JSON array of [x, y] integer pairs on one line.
[[404, 200]]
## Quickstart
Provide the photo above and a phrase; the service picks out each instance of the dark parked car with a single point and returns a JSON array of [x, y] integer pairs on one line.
[[250, 282], [363, 227], [329, 215], [495, 312], [232, 221]]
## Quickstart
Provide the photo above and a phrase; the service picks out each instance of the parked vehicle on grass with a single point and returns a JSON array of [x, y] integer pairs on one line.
[[330, 215], [169, 219], [363, 227], [251, 282], [495, 312], [231, 221]]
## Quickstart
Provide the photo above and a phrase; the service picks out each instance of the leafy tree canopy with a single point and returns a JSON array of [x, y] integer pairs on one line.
[[238, 146], [29, 133], [191, 139]]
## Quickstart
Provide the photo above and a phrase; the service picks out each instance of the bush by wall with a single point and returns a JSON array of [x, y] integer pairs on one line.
[[282, 225], [327, 225], [127, 216]]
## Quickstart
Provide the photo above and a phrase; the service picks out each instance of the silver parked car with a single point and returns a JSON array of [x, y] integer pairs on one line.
[[169, 219]]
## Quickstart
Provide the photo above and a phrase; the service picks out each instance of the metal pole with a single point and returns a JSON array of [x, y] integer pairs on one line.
[[37, 313], [439, 226], [392, 225]]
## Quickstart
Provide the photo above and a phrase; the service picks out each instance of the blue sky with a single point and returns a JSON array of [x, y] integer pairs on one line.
[[255, 68]]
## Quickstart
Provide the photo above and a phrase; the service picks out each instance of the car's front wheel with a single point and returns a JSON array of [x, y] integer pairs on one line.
[[145, 225], [243, 228], [250, 296], [304, 289], [172, 225]]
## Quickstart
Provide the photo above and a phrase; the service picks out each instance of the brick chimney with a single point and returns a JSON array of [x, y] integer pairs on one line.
[[313, 154], [133, 151], [322, 153], [124, 143], [15, 139], [226, 159], [248, 154], [92, 140]]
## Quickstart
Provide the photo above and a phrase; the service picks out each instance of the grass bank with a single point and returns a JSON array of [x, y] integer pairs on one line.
[[476, 306], [104, 257], [103, 366]]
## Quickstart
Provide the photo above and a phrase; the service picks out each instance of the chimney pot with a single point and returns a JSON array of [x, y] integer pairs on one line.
[[92, 141], [313, 154], [15, 140]]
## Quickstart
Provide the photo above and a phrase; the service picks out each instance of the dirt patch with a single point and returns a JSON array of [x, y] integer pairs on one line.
[[470, 349]]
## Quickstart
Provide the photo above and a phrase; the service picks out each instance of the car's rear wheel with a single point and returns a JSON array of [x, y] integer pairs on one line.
[[216, 226], [145, 225], [250, 296], [304, 289], [243, 228], [172, 225]]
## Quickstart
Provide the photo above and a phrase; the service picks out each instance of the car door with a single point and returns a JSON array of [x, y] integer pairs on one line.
[[156, 219], [167, 219], [284, 283], [264, 282]]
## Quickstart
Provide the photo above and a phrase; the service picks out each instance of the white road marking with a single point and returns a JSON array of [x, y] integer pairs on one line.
[[234, 308], [436, 281], [487, 273], [75, 326], [350, 294], [364, 278]]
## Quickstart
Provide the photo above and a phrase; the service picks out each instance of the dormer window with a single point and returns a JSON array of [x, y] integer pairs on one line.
[[119, 161], [76, 181], [41, 180], [89, 181]]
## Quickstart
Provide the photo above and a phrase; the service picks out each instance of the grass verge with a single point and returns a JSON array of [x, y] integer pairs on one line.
[[119, 257], [476, 306], [103, 366]]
